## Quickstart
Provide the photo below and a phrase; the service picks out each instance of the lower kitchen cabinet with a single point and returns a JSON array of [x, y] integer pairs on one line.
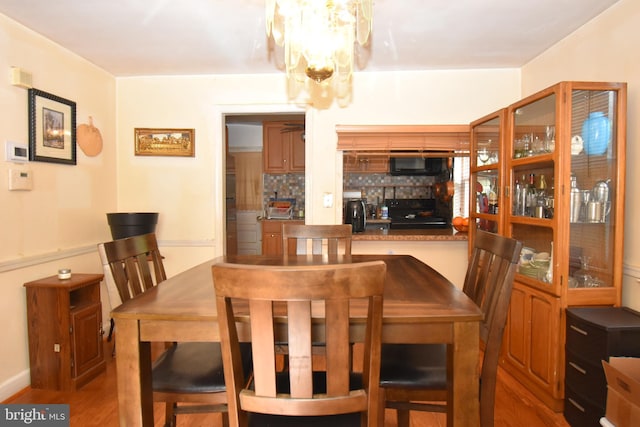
[[531, 348], [272, 236], [64, 319], [595, 334]]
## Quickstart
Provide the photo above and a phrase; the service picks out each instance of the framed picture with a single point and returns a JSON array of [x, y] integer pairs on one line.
[[52, 128], [164, 142]]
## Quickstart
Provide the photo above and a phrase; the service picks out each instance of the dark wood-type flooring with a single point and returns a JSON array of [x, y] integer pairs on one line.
[[96, 404]]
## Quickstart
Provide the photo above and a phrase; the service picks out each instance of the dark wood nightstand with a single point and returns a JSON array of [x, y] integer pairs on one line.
[[65, 331]]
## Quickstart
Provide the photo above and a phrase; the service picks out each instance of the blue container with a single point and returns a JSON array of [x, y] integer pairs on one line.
[[596, 133]]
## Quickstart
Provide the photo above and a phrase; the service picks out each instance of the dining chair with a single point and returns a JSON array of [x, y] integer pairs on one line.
[[312, 239], [302, 239], [300, 302], [189, 372], [415, 373]]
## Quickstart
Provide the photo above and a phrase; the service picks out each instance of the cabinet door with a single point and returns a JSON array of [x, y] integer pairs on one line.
[[86, 338], [297, 151], [272, 244], [366, 164], [487, 173], [275, 148], [532, 341]]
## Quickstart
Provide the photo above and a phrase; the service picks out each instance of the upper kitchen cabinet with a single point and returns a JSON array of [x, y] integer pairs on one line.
[[488, 139], [283, 149], [563, 197], [366, 163]]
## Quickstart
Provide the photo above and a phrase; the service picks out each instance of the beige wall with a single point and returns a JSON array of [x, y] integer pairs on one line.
[[606, 49], [59, 222]]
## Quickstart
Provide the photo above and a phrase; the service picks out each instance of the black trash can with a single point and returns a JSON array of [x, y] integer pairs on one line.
[[127, 224]]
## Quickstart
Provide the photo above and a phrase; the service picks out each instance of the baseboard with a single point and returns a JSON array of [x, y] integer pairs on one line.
[[14, 385]]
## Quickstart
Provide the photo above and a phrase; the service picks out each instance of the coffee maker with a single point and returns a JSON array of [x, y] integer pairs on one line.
[[355, 214]]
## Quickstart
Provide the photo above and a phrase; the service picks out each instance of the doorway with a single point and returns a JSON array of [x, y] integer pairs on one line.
[[242, 231]]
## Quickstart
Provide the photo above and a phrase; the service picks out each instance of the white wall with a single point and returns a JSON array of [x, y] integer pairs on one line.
[[605, 49]]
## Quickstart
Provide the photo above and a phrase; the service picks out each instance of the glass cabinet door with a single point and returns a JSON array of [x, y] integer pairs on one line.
[[532, 181], [486, 177], [593, 184]]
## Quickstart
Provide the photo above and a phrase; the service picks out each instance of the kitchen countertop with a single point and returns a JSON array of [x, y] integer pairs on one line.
[[434, 234], [445, 234]]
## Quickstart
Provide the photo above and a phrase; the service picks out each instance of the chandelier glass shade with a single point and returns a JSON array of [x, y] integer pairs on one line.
[[319, 38]]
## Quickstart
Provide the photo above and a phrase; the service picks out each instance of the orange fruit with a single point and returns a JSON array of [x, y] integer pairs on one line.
[[465, 222], [457, 220]]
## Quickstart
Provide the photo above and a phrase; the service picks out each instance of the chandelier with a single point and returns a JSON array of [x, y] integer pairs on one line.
[[319, 39]]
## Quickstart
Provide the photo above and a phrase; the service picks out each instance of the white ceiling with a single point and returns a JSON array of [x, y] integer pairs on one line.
[[170, 37]]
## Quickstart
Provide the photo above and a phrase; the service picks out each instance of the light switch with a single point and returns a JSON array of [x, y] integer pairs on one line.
[[20, 179]]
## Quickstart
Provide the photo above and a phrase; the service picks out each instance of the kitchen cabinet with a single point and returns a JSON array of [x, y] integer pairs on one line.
[[283, 147], [366, 164], [64, 320], [595, 334], [272, 236], [559, 183]]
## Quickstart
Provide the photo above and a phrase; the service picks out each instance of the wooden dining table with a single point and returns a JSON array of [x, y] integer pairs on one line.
[[420, 306]]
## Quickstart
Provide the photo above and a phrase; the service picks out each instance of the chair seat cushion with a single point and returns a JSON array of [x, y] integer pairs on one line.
[[414, 366], [194, 367]]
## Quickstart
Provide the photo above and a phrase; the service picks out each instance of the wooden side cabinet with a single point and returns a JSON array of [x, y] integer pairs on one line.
[[64, 320]]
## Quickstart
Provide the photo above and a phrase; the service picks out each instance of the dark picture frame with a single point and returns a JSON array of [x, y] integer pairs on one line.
[[52, 128], [164, 142]]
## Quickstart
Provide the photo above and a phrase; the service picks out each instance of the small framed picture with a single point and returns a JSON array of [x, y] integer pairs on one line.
[[52, 128], [164, 142]]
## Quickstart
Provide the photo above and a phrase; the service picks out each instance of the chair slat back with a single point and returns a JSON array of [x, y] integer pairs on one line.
[[297, 238], [301, 296], [489, 281], [129, 260]]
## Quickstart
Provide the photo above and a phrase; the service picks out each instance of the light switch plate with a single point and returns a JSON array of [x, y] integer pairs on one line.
[[327, 200]]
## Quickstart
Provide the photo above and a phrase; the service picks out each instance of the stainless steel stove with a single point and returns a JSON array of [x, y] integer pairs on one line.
[[415, 214]]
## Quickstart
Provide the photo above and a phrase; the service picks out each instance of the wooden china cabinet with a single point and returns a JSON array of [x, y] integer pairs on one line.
[[549, 170]]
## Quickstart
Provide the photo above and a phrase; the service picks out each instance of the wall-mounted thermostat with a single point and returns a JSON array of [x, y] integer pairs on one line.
[[16, 152], [20, 180]]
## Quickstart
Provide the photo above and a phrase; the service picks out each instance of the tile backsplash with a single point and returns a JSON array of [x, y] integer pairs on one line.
[[289, 185], [383, 186]]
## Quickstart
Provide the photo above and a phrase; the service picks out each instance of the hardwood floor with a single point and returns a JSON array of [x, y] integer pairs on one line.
[[96, 404]]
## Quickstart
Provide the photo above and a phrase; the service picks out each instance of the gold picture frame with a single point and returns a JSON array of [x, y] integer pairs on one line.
[[164, 142]]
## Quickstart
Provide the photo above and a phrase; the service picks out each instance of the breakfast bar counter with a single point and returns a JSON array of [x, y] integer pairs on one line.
[[440, 235]]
